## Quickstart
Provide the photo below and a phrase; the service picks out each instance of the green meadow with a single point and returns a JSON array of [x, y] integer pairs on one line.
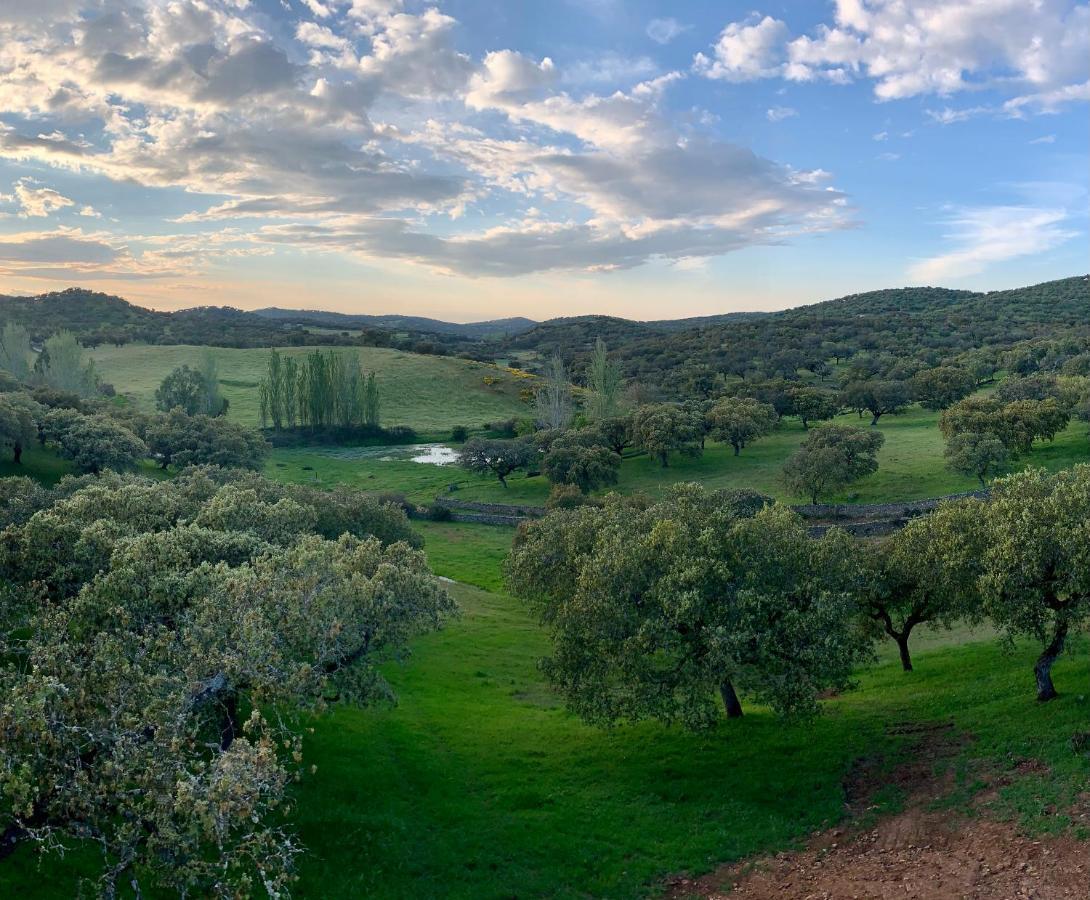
[[429, 393]]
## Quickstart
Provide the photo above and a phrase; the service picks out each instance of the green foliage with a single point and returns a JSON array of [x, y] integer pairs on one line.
[[655, 609], [92, 442], [588, 468], [15, 350], [183, 440], [832, 457], [184, 389], [980, 455], [327, 390], [877, 397], [553, 400], [19, 416], [63, 365], [1016, 424], [665, 428], [812, 405], [739, 421], [149, 655], [499, 457], [1036, 560], [942, 386], [605, 383]]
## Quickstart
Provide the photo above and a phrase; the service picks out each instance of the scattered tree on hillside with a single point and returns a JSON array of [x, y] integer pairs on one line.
[[812, 405], [605, 383], [832, 457], [653, 610], [587, 467], [19, 416], [481, 456], [182, 440], [664, 428], [15, 350], [93, 443], [879, 398], [942, 386], [552, 402], [981, 456], [739, 421], [924, 574], [63, 365], [1036, 560], [614, 432], [183, 389]]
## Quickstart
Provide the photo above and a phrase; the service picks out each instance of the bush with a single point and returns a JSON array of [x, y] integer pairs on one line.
[[459, 434], [566, 496], [437, 512]]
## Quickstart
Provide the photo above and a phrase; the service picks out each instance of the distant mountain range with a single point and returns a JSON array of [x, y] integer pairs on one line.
[[394, 322]]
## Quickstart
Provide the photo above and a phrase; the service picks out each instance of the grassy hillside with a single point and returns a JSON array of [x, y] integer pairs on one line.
[[479, 785], [911, 466], [429, 393]]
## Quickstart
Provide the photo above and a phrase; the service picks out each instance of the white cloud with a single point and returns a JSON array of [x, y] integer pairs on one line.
[[881, 136], [38, 202], [983, 236], [889, 157], [1044, 139], [746, 50], [1036, 50], [662, 31], [779, 113]]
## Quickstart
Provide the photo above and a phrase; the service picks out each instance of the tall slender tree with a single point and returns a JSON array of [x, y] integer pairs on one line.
[[604, 381]]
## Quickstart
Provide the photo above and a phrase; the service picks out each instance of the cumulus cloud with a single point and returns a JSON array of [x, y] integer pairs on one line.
[[317, 134], [983, 236], [1037, 50]]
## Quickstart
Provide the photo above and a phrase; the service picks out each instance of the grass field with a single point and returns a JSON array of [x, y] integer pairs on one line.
[[429, 393], [911, 466], [479, 785]]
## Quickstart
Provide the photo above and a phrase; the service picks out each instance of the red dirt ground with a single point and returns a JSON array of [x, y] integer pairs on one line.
[[918, 854]]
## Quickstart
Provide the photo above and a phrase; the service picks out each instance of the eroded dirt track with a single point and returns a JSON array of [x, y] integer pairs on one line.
[[921, 853]]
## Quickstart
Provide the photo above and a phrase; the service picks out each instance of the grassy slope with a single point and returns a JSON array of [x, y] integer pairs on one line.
[[910, 467], [428, 393], [478, 784]]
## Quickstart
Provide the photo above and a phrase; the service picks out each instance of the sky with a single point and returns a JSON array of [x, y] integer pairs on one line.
[[474, 159]]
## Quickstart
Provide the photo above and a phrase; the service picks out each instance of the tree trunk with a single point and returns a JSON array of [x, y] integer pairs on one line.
[[731, 703], [737, 449], [1042, 670], [902, 647], [874, 418], [17, 452]]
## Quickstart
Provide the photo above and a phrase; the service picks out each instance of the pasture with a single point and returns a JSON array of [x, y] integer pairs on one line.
[[478, 784], [428, 393]]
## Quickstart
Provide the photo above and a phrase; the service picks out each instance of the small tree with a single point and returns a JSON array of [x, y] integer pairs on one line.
[[663, 428], [92, 443], [1036, 560], [19, 416], [588, 468], [181, 440], [739, 421], [62, 365], [605, 383], [481, 455], [979, 455], [15, 350], [832, 457], [553, 403], [942, 386], [812, 405], [185, 389], [926, 573], [215, 403], [614, 432], [655, 610], [879, 398]]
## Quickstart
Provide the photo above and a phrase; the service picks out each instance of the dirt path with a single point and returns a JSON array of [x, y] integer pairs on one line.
[[921, 853]]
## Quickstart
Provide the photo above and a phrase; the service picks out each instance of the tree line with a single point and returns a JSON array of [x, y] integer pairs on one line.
[[322, 390]]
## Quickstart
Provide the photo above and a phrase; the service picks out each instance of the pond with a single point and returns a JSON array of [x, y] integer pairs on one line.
[[432, 454]]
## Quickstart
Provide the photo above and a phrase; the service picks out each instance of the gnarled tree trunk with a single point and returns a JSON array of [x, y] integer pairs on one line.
[[1042, 669]]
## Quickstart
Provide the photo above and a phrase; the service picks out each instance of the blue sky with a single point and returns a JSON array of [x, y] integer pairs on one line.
[[472, 159]]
